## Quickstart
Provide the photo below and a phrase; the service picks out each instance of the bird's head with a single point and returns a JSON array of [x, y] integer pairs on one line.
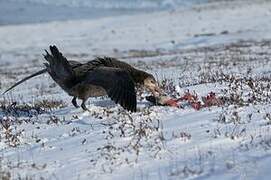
[[151, 84]]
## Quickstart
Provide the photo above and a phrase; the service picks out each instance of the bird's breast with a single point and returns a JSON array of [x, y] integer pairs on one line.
[[85, 91]]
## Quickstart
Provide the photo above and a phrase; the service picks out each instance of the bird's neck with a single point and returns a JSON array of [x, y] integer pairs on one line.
[[139, 76]]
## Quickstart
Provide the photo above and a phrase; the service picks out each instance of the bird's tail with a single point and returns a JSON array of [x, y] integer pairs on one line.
[[25, 79], [58, 67]]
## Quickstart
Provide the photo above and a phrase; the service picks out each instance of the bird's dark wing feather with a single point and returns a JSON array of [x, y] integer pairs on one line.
[[117, 83], [75, 64], [58, 66]]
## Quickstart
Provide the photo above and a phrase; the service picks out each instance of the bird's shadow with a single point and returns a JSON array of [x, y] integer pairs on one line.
[[110, 103], [103, 103]]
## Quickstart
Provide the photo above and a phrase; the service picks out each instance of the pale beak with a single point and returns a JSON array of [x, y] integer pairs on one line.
[[157, 91]]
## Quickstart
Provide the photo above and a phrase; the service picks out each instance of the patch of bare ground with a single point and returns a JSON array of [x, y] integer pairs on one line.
[[29, 110], [6, 169], [232, 54]]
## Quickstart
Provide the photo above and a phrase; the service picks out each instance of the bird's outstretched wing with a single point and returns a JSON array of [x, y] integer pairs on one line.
[[59, 68], [57, 65], [117, 83]]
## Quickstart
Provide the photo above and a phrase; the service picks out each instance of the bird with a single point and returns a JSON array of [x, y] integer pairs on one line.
[[98, 77]]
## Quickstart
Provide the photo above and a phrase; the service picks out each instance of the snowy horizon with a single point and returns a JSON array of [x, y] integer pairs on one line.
[[116, 4]]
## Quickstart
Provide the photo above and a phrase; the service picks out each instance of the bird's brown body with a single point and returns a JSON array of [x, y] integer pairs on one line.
[[99, 77]]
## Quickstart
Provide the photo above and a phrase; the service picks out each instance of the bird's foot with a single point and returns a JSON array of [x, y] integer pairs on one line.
[[83, 106], [75, 103]]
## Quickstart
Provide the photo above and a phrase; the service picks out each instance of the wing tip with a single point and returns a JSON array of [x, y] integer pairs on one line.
[[54, 50]]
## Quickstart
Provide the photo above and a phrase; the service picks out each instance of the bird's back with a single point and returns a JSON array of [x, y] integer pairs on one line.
[[82, 70]]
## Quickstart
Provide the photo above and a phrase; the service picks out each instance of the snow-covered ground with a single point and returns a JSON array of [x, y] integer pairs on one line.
[[223, 47]]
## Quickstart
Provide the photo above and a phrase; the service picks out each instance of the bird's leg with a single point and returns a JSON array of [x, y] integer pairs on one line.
[[83, 105], [74, 102]]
